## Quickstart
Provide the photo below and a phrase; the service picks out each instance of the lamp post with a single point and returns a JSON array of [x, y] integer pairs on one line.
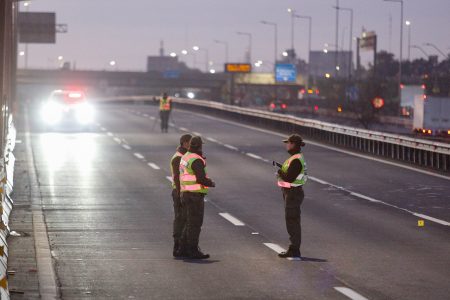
[[249, 35], [401, 47], [275, 26], [292, 12], [350, 10], [436, 48], [421, 50], [336, 55], [197, 48], [226, 48], [309, 18], [408, 24]]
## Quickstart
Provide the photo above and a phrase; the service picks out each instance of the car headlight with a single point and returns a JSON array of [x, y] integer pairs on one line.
[[85, 113], [51, 112]]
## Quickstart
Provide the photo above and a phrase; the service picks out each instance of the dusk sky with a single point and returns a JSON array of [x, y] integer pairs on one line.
[[128, 31]]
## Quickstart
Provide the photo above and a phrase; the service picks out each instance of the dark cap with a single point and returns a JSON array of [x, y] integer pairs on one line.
[[296, 139], [185, 138], [196, 142]]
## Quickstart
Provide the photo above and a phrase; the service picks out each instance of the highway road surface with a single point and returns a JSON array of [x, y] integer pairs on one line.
[[103, 199]]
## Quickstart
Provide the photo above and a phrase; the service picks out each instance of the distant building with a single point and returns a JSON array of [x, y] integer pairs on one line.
[[322, 63], [163, 64]]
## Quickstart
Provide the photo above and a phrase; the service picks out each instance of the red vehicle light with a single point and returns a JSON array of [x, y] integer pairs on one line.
[[316, 107], [272, 105], [283, 106]]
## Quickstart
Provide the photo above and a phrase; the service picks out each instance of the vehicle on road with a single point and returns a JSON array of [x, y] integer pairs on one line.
[[278, 106], [67, 108]]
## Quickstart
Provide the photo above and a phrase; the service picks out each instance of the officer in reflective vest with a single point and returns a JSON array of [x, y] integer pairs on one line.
[[165, 107], [179, 219], [194, 184], [291, 178]]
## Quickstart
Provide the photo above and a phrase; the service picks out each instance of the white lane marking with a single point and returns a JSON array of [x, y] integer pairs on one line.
[[171, 124], [145, 115], [277, 248], [18, 141], [212, 140], [102, 128], [328, 147], [317, 180], [196, 133], [117, 140], [255, 233], [349, 293], [110, 133], [138, 155], [442, 222], [152, 118], [231, 147], [184, 129], [231, 219], [169, 178], [126, 146], [254, 156], [153, 166], [370, 199]]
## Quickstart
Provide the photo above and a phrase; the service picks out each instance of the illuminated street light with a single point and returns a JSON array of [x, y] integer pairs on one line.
[[184, 52], [408, 24], [207, 62], [212, 71], [173, 54], [196, 48], [60, 58], [26, 4], [112, 63], [285, 54], [327, 75], [21, 53]]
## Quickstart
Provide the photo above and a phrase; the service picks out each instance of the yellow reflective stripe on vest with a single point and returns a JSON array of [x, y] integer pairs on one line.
[[177, 154], [164, 104], [301, 178], [188, 180]]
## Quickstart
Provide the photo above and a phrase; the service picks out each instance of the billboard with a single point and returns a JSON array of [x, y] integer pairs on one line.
[[285, 73], [37, 27], [238, 68]]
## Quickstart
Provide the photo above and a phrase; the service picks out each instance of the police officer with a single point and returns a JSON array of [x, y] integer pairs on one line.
[[165, 107], [194, 184], [179, 218], [291, 178]]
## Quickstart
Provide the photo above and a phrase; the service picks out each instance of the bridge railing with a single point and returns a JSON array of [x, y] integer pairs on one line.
[[419, 152]]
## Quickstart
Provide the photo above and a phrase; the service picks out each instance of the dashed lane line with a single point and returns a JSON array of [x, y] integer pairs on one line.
[[231, 219], [117, 140], [349, 293], [196, 133], [138, 155], [153, 166], [126, 146], [254, 156], [275, 247], [231, 147], [183, 129], [169, 178], [110, 133]]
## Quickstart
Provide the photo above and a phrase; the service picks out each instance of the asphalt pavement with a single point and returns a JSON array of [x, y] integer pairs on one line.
[[105, 198]]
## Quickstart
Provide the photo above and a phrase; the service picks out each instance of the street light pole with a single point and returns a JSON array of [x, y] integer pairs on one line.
[[197, 48], [401, 47], [275, 25], [226, 49], [336, 55], [408, 24], [436, 48], [292, 12], [309, 18], [421, 50], [250, 38], [351, 40]]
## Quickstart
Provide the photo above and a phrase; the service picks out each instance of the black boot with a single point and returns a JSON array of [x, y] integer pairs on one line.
[[196, 253], [292, 252], [176, 248]]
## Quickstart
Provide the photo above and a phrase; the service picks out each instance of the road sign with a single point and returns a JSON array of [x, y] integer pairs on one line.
[[171, 74], [368, 40], [238, 68], [37, 27], [285, 73]]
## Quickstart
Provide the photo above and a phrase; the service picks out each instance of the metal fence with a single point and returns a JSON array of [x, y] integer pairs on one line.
[[418, 152]]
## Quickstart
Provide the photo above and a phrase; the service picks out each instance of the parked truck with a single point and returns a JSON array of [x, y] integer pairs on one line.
[[432, 115]]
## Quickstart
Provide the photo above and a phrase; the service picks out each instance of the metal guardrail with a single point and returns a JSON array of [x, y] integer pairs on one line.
[[423, 153]]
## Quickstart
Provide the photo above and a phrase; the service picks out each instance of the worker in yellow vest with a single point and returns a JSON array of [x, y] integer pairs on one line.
[[179, 218], [194, 185], [291, 177], [165, 107]]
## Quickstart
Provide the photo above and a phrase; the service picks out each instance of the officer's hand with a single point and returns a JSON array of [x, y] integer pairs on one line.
[[213, 184], [279, 172]]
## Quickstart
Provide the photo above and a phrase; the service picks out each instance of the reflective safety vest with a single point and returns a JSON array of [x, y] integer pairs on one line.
[[165, 104], [188, 180], [301, 178], [177, 154]]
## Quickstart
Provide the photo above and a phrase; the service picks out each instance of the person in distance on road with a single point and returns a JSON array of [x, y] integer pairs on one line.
[[194, 184], [165, 107], [179, 219], [291, 177]]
